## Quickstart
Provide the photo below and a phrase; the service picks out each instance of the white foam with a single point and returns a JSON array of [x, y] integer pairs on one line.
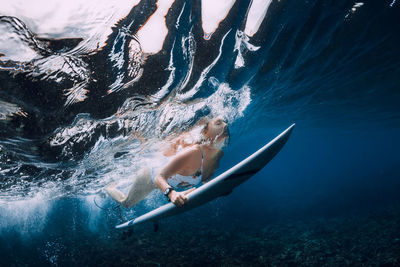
[[225, 102], [212, 13], [228, 103], [242, 43], [70, 19], [357, 5], [354, 8], [28, 215], [152, 34], [255, 16]]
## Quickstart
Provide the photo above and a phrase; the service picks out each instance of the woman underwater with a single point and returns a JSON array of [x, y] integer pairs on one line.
[[184, 163]]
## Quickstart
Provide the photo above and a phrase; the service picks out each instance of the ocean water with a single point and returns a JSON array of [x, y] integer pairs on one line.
[[79, 81]]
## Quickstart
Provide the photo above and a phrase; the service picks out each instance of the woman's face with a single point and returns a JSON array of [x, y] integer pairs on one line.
[[217, 129]]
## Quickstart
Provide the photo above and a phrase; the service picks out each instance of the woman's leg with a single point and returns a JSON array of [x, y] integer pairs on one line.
[[141, 187]]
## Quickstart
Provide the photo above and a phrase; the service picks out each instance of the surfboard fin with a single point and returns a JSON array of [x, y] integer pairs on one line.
[[127, 233], [156, 226]]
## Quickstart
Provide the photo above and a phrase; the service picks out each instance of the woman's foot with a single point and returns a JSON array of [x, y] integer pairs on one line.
[[114, 193]]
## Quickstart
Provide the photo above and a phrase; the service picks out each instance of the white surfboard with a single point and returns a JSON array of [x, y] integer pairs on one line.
[[219, 186]]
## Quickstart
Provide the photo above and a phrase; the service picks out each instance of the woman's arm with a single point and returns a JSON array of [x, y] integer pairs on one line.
[[176, 165]]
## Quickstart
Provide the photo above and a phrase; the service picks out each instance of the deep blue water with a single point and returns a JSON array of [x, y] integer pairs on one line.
[[330, 197]]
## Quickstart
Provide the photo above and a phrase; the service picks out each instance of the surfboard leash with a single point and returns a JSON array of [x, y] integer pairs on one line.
[[103, 208]]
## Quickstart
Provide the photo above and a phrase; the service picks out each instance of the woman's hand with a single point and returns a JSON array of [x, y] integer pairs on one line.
[[179, 198]]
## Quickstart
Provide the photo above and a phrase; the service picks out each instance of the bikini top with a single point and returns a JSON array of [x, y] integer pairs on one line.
[[180, 181]]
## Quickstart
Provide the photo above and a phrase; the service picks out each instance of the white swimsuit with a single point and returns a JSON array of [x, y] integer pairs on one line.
[[179, 181]]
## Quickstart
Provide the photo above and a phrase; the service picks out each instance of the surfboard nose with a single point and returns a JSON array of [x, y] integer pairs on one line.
[[291, 127]]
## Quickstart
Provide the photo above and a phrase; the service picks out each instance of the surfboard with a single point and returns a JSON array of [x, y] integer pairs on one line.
[[222, 185]]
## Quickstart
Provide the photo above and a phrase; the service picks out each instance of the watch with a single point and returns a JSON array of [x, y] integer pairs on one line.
[[167, 191]]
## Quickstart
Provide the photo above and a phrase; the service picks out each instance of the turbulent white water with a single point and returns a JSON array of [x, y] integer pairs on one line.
[[168, 111]]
